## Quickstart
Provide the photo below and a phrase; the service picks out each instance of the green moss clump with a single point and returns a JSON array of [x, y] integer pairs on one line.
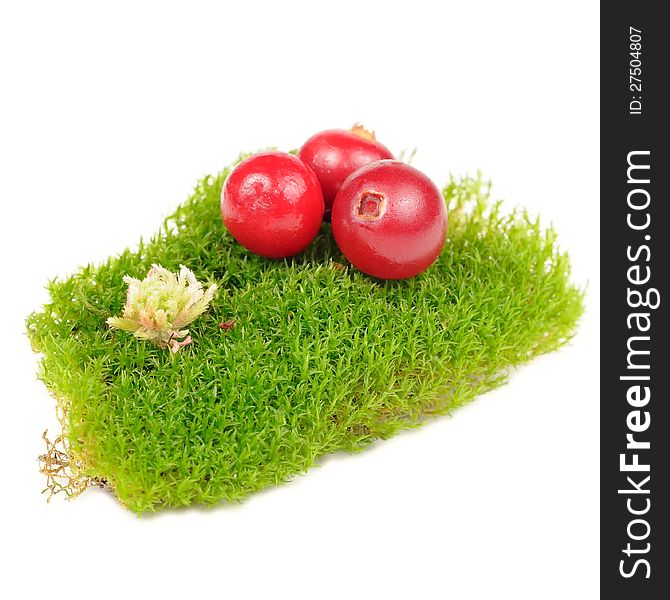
[[320, 357]]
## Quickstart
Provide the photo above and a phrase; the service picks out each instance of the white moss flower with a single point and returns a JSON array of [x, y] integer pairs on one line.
[[159, 306]]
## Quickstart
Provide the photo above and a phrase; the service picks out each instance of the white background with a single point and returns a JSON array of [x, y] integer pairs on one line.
[[110, 113]]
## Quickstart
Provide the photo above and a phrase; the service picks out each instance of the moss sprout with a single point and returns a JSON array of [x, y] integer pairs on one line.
[[158, 306]]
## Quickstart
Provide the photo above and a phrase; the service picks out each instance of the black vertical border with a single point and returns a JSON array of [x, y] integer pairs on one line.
[[620, 134]]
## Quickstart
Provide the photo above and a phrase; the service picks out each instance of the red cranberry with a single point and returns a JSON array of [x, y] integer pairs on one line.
[[336, 153], [389, 220], [272, 204]]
